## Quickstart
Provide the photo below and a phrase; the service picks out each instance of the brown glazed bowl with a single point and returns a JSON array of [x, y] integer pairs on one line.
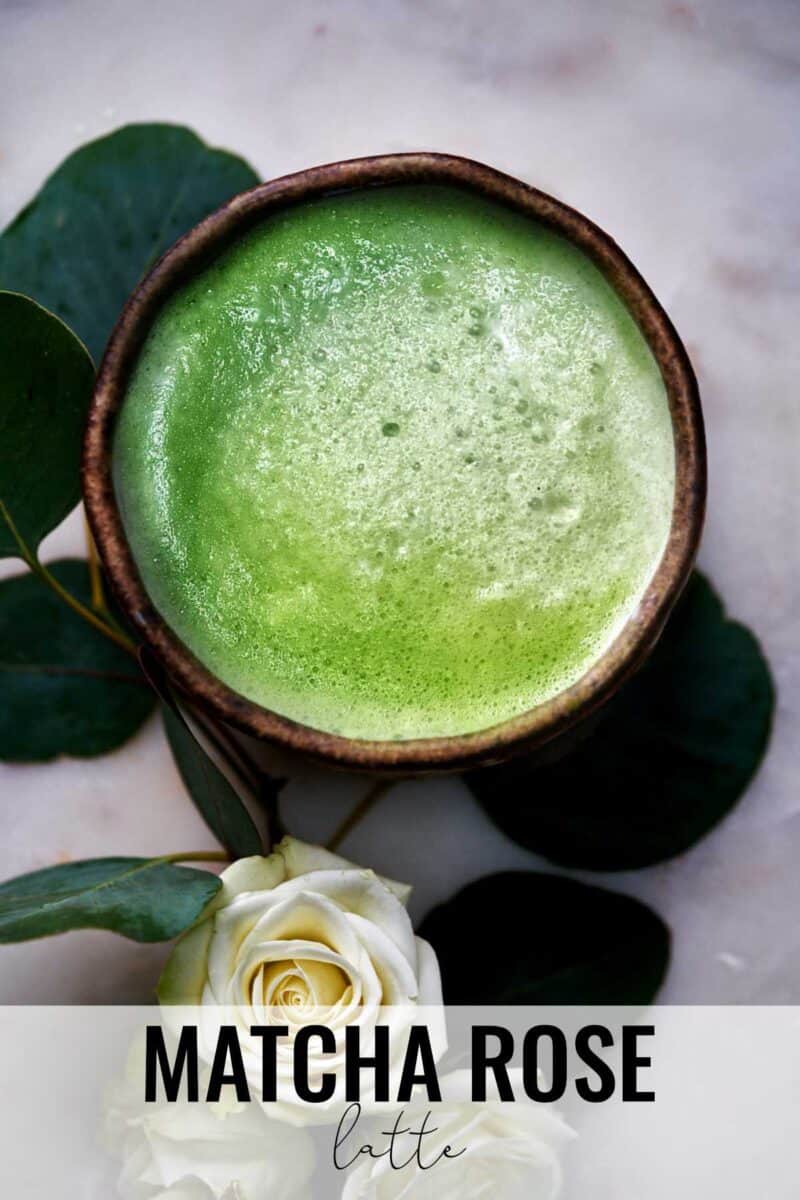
[[532, 729]]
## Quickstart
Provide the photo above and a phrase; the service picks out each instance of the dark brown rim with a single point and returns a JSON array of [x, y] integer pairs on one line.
[[530, 729]]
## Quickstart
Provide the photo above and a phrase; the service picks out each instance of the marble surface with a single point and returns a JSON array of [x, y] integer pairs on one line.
[[671, 124]]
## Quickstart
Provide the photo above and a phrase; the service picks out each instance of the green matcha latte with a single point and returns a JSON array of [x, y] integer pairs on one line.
[[398, 464]]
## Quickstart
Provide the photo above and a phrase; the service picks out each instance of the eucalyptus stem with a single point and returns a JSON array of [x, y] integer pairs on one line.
[[121, 639], [360, 810], [99, 602], [95, 577], [219, 856], [30, 559]]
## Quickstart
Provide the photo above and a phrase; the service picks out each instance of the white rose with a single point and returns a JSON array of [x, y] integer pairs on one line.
[[304, 937], [511, 1149], [201, 1151]]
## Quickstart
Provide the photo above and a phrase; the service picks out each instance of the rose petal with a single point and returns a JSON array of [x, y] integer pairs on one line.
[[184, 976], [365, 893], [255, 874], [397, 975], [429, 977], [301, 858], [282, 952], [307, 915]]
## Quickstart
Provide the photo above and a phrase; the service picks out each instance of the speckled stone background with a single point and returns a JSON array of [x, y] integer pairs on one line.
[[674, 125]]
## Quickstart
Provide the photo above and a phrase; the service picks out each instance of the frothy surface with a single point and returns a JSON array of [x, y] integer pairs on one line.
[[399, 464]]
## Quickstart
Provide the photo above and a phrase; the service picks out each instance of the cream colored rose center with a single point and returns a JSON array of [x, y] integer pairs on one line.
[[301, 985]]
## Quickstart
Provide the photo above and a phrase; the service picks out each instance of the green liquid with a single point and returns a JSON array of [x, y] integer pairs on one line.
[[398, 464]]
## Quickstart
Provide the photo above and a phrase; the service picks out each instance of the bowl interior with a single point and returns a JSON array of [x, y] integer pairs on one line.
[[530, 729]]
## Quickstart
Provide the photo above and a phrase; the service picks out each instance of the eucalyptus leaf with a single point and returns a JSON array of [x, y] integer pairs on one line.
[[45, 383], [148, 900], [218, 803], [550, 940], [107, 214], [676, 752], [66, 688]]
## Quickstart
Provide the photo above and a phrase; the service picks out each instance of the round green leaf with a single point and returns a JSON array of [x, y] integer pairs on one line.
[[553, 941], [45, 383], [66, 688], [675, 753], [148, 900], [107, 214]]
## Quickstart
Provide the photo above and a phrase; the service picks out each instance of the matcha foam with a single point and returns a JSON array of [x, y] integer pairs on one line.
[[398, 464]]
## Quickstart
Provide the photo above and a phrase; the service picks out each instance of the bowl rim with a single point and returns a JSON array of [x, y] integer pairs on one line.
[[529, 729]]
